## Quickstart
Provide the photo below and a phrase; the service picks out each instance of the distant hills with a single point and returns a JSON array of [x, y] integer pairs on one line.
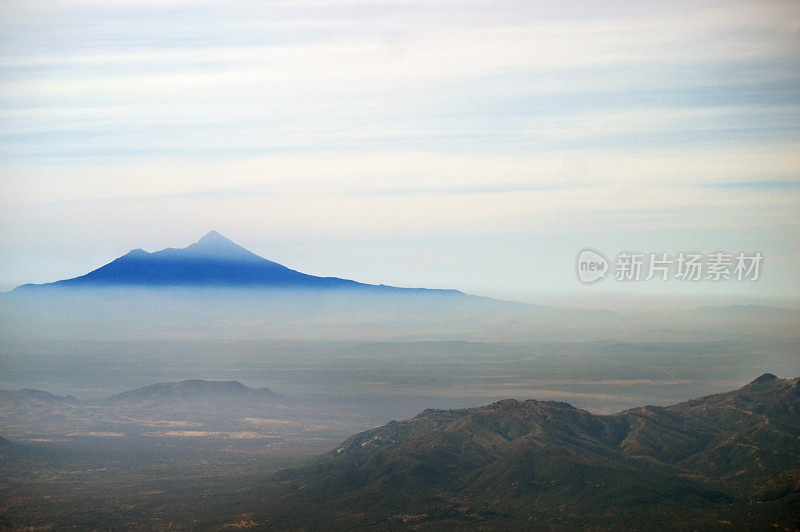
[[165, 393], [29, 394], [731, 459], [212, 261], [194, 389], [203, 408]]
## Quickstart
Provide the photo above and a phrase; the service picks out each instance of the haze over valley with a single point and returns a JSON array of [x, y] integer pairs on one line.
[[174, 389], [113, 329]]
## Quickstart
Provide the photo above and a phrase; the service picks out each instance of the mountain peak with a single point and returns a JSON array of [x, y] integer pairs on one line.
[[764, 379], [214, 245], [214, 237], [211, 261]]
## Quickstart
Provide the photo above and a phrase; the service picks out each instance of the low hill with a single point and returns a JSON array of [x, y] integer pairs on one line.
[[191, 390], [27, 395], [731, 458]]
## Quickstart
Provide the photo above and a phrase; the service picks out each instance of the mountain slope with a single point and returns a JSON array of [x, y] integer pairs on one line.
[[732, 457], [211, 261]]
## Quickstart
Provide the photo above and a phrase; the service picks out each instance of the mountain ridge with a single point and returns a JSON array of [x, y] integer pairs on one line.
[[212, 261], [731, 457]]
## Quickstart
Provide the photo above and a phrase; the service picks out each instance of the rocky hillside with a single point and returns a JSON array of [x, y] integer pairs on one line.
[[730, 459]]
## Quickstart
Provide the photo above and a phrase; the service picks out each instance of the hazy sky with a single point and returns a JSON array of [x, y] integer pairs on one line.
[[469, 145]]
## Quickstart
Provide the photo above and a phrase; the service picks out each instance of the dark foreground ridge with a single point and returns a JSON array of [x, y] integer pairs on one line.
[[730, 459], [212, 261]]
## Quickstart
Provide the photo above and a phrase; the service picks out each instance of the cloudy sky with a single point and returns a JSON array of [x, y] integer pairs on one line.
[[469, 145]]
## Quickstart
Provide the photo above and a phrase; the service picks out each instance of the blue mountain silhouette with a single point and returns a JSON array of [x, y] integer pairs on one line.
[[211, 261]]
